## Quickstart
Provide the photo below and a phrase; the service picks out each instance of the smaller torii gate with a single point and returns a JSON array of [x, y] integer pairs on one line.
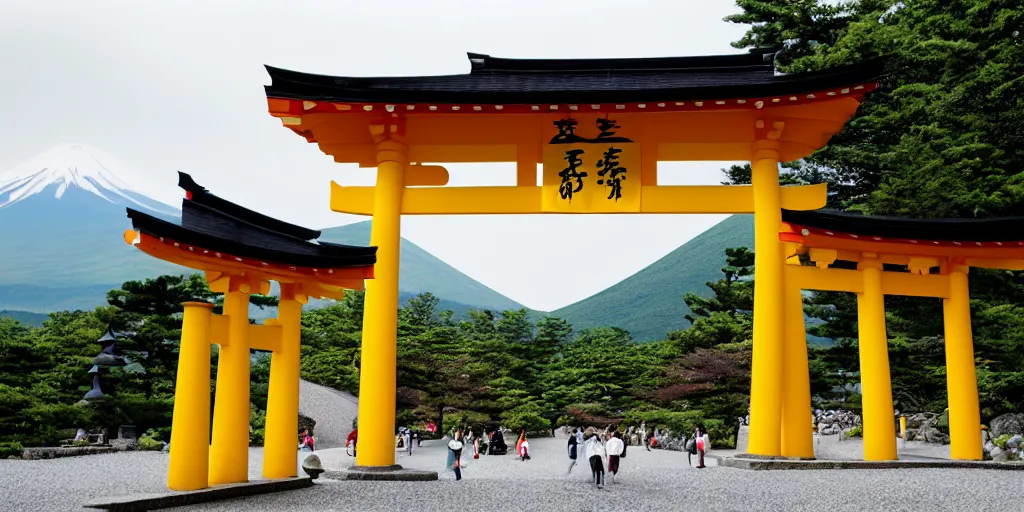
[[240, 251], [937, 255]]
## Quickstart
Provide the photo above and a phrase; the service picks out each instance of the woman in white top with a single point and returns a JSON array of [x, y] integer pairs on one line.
[[595, 453], [614, 447]]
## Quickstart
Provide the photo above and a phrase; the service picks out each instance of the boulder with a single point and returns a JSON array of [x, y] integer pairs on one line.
[[1012, 423], [312, 466], [1015, 441]]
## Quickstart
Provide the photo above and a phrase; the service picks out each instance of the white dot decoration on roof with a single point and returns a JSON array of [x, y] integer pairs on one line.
[[957, 243], [776, 100], [217, 254], [810, 96], [367, 107], [330, 271], [307, 105], [620, 107], [854, 236], [595, 107], [238, 259], [805, 232], [499, 107], [161, 239], [191, 249], [830, 93], [410, 107], [680, 103], [292, 268], [389, 108], [876, 238], [661, 104], [477, 108], [936, 243], [176, 244], [206, 252], [455, 107], [978, 244], [845, 91], [265, 264], [1000, 244], [642, 105], [699, 103], [829, 233], [573, 107], [554, 107], [741, 101], [912, 241], [859, 87], [758, 104], [720, 102], [535, 107], [432, 107], [792, 98]]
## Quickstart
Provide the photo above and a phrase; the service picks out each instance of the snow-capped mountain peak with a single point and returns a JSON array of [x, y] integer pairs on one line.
[[87, 168]]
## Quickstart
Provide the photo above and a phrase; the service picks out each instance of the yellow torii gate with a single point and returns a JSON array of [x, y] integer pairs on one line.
[[936, 256], [240, 251], [599, 127]]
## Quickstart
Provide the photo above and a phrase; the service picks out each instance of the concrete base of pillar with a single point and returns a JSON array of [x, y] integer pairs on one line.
[[394, 472]]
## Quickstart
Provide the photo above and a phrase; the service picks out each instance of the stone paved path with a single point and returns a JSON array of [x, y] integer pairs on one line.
[[649, 481]]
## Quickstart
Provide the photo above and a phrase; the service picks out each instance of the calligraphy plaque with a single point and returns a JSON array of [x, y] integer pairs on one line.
[[590, 169]]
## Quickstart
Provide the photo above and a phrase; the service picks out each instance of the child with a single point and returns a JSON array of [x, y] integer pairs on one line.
[[574, 445], [307, 443], [596, 454], [523, 447]]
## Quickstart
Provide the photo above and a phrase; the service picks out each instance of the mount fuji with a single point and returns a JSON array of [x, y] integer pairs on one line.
[[61, 218], [62, 215]]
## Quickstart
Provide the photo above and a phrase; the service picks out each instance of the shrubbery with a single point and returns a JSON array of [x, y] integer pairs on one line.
[[10, 449], [150, 441]]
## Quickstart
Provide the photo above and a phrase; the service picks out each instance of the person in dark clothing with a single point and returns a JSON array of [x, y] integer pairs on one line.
[[573, 449]]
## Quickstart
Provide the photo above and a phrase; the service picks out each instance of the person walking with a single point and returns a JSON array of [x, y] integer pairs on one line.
[[615, 447], [702, 443], [574, 446], [455, 455], [595, 454]]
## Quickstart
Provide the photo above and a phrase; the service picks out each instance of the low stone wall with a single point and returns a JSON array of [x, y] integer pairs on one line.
[[71, 451]]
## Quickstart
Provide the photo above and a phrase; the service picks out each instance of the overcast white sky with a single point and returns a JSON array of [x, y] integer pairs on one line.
[[167, 86]]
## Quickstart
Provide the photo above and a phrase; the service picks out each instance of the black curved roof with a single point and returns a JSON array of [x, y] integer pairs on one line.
[[1004, 229], [215, 224], [498, 81]]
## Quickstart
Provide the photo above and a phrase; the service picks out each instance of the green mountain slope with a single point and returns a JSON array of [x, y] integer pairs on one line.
[[422, 272], [649, 303], [66, 254], [26, 318]]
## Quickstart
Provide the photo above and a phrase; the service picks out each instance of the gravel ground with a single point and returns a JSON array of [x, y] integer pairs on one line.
[[648, 481], [333, 411]]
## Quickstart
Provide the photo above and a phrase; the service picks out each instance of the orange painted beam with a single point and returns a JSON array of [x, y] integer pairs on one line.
[[529, 200]]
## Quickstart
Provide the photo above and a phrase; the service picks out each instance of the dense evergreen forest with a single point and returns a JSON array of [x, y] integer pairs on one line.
[[942, 138]]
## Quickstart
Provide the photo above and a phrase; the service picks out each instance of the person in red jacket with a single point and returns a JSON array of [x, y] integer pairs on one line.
[[352, 437]]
